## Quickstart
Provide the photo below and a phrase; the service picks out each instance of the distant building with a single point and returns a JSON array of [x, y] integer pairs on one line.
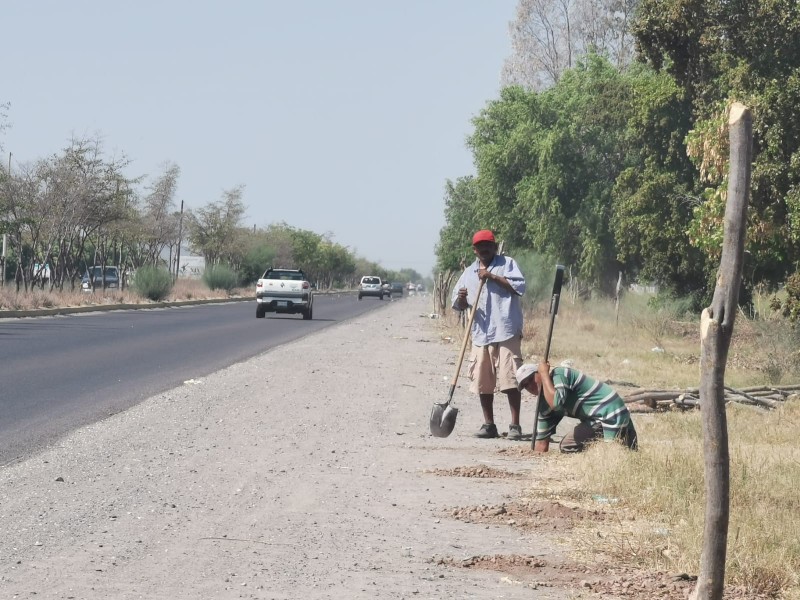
[[647, 288], [42, 271]]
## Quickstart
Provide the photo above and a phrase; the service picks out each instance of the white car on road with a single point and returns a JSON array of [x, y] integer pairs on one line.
[[284, 291]]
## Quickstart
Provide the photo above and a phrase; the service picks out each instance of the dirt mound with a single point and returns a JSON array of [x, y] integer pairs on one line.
[[526, 514], [479, 471]]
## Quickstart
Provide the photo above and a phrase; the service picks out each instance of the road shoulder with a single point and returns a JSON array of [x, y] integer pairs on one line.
[[308, 470]]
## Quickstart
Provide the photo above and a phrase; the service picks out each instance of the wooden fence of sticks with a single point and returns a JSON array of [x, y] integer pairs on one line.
[[645, 400]]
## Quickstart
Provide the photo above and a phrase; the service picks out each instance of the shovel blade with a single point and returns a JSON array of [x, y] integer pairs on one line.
[[443, 419]]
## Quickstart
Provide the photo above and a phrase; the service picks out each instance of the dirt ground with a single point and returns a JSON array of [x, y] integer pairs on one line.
[[306, 472]]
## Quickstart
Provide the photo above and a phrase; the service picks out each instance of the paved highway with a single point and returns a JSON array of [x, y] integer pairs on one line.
[[58, 373]]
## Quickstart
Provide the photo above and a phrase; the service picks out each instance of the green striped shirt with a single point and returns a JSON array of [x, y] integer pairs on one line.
[[584, 398]]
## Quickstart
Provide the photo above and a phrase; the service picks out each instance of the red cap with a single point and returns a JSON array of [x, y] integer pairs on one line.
[[484, 235]]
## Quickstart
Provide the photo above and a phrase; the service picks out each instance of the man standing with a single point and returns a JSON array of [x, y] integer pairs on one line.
[[496, 329], [568, 392]]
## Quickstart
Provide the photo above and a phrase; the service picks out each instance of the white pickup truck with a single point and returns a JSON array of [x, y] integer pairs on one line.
[[284, 291]]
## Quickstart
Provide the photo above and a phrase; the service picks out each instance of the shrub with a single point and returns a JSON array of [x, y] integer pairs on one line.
[[152, 283], [790, 307], [220, 277], [255, 262]]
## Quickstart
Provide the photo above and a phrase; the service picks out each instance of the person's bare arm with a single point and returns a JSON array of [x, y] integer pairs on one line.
[[548, 389], [549, 392]]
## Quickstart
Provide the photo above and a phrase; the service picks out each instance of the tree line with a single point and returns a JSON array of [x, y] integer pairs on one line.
[[607, 150], [78, 208]]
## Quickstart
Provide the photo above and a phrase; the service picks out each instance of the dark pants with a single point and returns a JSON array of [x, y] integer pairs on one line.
[[585, 433]]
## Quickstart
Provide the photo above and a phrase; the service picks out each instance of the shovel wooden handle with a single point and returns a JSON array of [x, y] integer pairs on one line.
[[553, 312], [464, 342]]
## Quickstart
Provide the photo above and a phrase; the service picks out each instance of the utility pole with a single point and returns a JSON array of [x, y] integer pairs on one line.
[[180, 239], [3, 263], [5, 237]]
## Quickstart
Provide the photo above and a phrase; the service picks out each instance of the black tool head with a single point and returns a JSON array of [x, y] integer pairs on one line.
[[443, 419]]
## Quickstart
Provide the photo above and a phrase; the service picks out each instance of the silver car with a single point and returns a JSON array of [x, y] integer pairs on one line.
[[370, 286]]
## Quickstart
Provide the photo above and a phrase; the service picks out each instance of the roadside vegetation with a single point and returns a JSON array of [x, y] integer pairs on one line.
[[63, 214], [183, 289], [153, 283], [658, 497], [654, 499], [220, 277], [612, 156]]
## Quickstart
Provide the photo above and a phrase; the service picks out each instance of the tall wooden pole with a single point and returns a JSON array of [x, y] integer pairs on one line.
[[180, 240], [716, 329], [3, 255]]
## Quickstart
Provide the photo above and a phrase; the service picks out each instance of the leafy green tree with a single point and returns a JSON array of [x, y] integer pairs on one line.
[[651, 215], [279, 237], [462, 220], [325, 263], [549, 161], [337, 265], [506, 148], [258, 255], [654, 198], [790, 306], [719, 51], [306, 251]]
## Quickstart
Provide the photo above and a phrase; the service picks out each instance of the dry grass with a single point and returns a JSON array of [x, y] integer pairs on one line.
[[184, 289], [656, 521], [654, 349], [662, 500]]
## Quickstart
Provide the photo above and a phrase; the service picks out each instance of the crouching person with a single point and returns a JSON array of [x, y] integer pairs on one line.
[[568, 392]]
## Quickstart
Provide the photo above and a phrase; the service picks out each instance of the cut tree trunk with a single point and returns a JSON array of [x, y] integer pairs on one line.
[[716, 329]]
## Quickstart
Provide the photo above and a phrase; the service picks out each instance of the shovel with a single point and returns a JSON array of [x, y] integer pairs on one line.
[[553, 312], [443, 414]]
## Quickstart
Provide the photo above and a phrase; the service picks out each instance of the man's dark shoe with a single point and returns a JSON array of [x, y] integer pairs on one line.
[[514, 433], [487, 431]]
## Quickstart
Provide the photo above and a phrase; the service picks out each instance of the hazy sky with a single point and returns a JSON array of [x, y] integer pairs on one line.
[[340, 116]]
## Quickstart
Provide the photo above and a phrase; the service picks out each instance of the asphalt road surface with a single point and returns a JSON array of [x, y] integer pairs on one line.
[[58, 373]]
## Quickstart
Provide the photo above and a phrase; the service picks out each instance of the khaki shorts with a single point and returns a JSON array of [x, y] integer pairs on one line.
[[493, 368]]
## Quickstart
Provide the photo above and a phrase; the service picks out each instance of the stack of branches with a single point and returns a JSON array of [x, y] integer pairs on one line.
[[769, 397]]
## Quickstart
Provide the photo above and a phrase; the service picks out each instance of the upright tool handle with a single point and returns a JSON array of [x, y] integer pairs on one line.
[[466, 339], [557, 283]]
